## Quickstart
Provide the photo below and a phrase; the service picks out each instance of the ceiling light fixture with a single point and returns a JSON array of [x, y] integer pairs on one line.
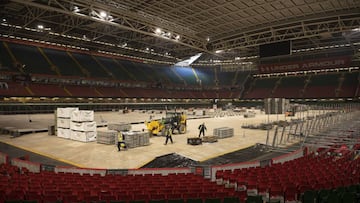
[[158, 31], [103, 14]]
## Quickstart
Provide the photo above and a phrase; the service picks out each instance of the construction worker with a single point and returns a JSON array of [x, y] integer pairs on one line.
[[120, 141], [183, 118], [202, 129], [168, 134]]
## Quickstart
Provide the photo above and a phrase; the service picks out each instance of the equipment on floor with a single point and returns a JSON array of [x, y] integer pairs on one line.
[[291, 112], [177, 120], [194, 141]]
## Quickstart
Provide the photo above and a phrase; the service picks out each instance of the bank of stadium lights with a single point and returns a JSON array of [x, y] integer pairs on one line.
[[102, 15], [245, 58], [75, 9], [124, 46], [41, 27], [353, 68], [134, 57], [162, 33], [326, 47], [44, 42]]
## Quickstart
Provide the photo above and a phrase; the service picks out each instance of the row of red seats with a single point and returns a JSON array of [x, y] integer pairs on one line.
[[50, 186], [291, 178]]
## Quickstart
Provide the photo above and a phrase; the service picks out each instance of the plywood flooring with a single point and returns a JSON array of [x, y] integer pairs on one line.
[[96, 155]]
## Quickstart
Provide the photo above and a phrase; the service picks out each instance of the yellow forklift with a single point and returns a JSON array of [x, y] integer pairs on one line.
[[176, 120]]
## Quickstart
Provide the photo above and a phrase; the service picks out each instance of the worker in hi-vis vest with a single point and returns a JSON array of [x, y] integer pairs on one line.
[[121, 142], [168, 134]]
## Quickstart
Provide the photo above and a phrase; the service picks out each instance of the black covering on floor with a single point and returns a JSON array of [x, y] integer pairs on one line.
[[248, 154], [256, 152], [170, 161]]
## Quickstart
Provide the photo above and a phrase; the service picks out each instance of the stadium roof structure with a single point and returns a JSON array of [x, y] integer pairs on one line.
[[171, 30]]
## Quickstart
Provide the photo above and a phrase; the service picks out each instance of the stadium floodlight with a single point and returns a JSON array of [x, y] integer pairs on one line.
[[103, 14], [75, 9], [158, 31]]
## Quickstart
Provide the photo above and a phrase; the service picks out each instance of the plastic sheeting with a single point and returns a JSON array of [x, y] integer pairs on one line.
[[170, 161]]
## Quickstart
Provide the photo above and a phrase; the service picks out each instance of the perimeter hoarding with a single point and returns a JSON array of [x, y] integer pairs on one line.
[[315, 64]]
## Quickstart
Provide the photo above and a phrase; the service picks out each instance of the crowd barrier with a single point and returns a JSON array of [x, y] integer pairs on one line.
[[288, 157], [31, 166], [37, 167], [81, 171], [162, 171], [232, 167], [4, 159]]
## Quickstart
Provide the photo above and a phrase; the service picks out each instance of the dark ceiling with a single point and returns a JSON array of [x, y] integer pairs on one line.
[[169, 30]]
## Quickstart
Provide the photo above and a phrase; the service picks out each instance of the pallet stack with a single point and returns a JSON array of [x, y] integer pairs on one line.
[[275, 105], [63, 121], [107, 137], [119, 126], [223, 132], [82, 126], [136, 138]]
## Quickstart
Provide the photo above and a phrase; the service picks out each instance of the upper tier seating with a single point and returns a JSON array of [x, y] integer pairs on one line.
[[6, 63], [39, 60], [187, 74], [31, 57], [87, 62], [206, 76], [64, 62]]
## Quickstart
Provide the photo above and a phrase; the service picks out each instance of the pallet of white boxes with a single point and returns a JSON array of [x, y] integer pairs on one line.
[[76, 124], [83, 126], [63, 121]]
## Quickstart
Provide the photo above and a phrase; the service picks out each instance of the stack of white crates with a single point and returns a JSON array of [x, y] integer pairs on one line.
[[82, 126], [63, 121], [224, 132]]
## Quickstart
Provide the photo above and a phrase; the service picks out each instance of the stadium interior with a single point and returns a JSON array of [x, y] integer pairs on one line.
[[277, 83]]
